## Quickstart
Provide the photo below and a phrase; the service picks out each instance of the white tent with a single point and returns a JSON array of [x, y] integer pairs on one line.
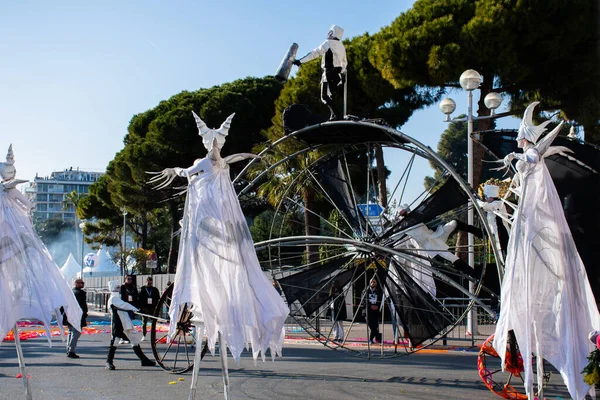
[[70, 268], [105, 267]]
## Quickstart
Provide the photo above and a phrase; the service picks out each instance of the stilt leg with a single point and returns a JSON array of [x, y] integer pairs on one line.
[[22, 363], [225, 370], [540, 372], [197, 360]]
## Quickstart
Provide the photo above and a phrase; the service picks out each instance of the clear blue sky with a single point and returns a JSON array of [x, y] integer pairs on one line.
[[73, 73]]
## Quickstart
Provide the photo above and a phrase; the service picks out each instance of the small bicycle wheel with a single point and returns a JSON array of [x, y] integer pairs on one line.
[[502, 382], [176, 354]]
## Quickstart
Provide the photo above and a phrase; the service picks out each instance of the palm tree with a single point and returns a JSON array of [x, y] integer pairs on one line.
[[290, 180], [71, 201]]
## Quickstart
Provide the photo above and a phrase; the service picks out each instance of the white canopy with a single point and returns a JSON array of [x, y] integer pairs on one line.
[[106, 266], [71, 268]]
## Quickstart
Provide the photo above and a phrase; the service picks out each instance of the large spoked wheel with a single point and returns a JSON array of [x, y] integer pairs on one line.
[[175, 355], [336, 189], [507, 384]]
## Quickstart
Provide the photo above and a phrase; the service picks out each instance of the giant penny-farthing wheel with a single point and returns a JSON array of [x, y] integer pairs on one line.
[[326, 177]]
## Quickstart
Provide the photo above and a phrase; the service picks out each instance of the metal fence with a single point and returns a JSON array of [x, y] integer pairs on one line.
[[98, 294], [97, 287], [485, 325]]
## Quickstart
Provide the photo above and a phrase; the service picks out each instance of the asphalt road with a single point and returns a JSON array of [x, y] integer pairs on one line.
[[307, 371]]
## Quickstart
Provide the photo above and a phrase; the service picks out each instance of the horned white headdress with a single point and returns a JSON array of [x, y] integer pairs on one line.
[[528, 130], [7, 169], [209, 134]]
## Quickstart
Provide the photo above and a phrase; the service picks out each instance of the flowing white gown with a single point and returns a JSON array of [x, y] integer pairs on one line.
[[31, 285], [218, 272], [546, 297]]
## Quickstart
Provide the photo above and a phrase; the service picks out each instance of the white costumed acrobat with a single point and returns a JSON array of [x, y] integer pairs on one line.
[[218, 272], [546, 297], [31, 285], [333, 63]]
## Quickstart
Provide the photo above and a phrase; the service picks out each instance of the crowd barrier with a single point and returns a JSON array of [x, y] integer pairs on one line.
[[97, 287]]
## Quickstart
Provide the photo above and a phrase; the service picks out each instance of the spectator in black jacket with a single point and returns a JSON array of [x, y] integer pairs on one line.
[[373, 301], [148, 299], [74, 334]]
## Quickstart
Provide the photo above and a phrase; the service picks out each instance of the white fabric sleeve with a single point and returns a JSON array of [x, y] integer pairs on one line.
[[319, 51], [194, 169], [122, 305]]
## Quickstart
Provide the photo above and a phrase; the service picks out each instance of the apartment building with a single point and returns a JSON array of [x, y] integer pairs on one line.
[[48, 192]]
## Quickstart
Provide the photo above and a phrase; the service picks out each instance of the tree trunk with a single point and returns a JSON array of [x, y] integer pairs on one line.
[[311, 224], [381, 175], [144, 236], [174, 243]]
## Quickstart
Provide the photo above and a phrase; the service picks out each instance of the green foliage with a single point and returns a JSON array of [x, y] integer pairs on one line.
[[269, 225], [591, 372], [102, 232], [517, 46], [51, 229], [530, 50], [371, 96], [72, 200]]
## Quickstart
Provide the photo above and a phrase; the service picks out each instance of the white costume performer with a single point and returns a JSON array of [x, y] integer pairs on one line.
[[121, 308], [433, 243], [218, 273], [546, 298], [31, 285], [422, 276], [333, 64], [122, 327]]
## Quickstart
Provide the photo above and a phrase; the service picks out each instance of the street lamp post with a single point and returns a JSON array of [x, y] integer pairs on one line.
[[81, 226], [469, 81], [124, 211]]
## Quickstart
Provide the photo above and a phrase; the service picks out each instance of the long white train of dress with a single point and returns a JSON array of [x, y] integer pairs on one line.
[[546, 297], [218, 272], [31, 285]]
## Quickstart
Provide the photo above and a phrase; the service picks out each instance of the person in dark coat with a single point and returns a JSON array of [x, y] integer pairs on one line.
[[147, 300], [373, 298], [129, 292], [338, 310], [81, 297]]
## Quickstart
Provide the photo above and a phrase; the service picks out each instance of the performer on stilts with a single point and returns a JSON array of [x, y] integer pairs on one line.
[[546, 298], [218, 272], [31, 285]]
